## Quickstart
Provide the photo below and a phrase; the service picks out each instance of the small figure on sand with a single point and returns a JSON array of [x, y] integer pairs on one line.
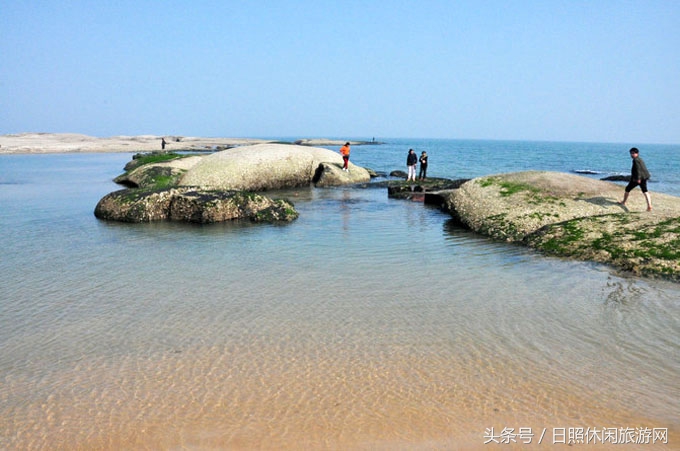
[[411, 161], [344, 151], [423, 166], [163, 143], [638, 176]]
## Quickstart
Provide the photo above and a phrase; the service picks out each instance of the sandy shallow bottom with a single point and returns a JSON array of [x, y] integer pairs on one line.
[[220, 364], [366, 324], [276, 399]]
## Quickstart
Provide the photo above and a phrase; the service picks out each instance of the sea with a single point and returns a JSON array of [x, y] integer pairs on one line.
[[368, 323]]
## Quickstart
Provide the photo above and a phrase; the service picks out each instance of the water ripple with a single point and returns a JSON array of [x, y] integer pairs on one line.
[[367, 317]]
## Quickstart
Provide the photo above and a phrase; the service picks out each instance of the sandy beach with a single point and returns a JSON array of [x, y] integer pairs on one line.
[[28, 143], [74, 142]]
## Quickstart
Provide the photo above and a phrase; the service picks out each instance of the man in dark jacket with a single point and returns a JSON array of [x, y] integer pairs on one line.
[[638, 176], [423, 166]]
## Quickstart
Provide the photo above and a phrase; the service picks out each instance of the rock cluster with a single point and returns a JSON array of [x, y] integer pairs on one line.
[[221, 186]]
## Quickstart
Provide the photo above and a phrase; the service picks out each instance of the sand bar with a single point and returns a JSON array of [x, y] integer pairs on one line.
[[73, 142]]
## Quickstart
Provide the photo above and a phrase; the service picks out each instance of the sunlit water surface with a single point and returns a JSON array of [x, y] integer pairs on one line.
[[368, 323]]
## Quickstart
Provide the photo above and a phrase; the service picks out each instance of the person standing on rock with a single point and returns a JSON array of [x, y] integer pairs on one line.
[[344, 151], [411, 161], [423, 166], [638, 176]]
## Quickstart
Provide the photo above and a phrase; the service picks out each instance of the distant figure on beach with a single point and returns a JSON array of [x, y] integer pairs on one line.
[[163, 143], [411, 161], [344, 151], [638, 176], [423, 166]]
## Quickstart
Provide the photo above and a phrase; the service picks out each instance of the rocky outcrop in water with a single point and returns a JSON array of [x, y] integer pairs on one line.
[[271, 166], [573, 216], [220, 186], [616, 178], [190, 204], [333, 142], [331, 174], [399, 189]]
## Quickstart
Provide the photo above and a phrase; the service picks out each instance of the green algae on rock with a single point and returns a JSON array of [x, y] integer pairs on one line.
[[573, 216], [191, 204]]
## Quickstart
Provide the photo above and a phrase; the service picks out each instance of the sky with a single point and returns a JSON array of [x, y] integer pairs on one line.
[[545, 70]]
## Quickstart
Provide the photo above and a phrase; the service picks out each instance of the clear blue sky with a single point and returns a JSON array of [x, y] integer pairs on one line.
[[591, 70]]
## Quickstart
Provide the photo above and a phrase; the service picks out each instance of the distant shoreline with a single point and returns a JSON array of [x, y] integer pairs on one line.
[[46, 143]]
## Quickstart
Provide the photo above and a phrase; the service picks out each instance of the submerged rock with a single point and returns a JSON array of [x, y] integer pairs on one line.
[[333, 142], [616, 178]]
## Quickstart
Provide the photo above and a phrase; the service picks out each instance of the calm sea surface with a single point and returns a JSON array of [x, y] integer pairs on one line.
[[368, 323]]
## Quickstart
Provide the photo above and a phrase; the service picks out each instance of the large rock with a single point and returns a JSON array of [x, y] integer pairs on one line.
[[575, 216], [267, 167], [218, 187], [511, 206], [331, 174], [191, 205]]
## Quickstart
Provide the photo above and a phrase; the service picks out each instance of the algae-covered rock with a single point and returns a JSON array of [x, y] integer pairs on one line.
[[150, 176], [635, 242], [511, 206], [190, 204], [400, 189], [573, 216], [219, 186], [217, 206], [156, 170]]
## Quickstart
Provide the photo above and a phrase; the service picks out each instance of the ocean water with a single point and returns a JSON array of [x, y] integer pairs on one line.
[[475, 158], [368, 323]]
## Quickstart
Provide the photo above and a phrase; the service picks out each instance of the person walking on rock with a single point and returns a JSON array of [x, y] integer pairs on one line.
[[411, 161], [638, 176], [344, 151], [423, 166]]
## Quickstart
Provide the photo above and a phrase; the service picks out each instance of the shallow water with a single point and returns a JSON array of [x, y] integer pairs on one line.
[[368, 323]]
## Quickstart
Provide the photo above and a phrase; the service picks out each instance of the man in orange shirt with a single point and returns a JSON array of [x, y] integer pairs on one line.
[[344, 151]]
